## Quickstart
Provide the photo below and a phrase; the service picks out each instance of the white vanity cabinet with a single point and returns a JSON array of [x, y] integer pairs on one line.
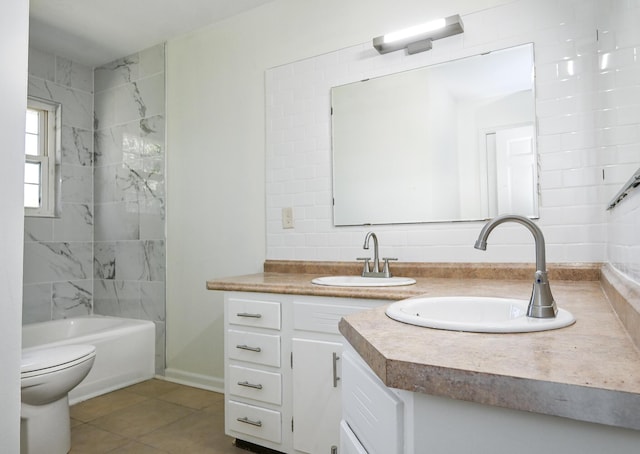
[[382, 420], [283, 363], [316, 395], [373, 415], [317, 369], [253, 376]]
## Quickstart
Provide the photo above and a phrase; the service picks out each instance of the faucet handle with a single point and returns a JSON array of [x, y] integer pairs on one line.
[[366, 264], [386, 271]]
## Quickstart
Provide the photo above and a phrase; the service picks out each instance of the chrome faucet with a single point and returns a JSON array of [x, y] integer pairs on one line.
[[376, 264], [367, 272], [541, 303]]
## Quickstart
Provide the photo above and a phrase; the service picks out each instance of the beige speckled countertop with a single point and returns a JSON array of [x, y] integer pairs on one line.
[[589, 371]]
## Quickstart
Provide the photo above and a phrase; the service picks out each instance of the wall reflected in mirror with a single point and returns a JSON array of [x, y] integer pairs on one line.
[[448, 142]]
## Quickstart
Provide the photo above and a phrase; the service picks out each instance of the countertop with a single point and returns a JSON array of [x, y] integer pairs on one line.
[[589, 371]]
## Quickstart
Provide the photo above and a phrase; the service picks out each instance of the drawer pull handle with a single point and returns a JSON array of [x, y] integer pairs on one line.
[[335, 369], [249, 385], [249, 315], [246, 420], [246, 347]]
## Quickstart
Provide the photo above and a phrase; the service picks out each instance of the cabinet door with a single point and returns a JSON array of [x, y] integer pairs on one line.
[[371, 410], [316, 395]]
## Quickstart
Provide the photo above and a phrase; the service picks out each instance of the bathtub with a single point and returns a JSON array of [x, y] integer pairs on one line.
[[125, 349]]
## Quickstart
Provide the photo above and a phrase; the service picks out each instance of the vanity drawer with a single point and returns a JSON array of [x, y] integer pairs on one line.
[[255, 384], [246, 312], [254, 347], [255, 421], [321, 318]]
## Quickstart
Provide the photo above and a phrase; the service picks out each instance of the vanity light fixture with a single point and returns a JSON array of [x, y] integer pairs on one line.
[[419, 37]]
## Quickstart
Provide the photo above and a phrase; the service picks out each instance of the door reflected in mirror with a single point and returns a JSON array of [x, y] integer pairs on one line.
[[449, 142]]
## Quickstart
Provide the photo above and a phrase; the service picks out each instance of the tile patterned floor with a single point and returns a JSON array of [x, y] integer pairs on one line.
[[152, 417]]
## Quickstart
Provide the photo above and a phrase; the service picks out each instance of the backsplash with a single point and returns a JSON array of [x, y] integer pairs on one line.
[[587, 146]]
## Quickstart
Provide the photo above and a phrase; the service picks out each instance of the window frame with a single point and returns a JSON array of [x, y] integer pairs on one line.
[[49, 153]]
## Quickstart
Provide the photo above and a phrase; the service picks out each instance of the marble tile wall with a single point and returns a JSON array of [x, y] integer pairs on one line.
[[129, 191], [105, 252], [575, 142], [58, 252]]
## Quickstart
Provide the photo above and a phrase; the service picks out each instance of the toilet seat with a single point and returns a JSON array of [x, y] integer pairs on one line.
[[39, 361]]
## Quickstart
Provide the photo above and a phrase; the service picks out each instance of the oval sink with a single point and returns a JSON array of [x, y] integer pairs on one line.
[[474, 314], [359, 281]]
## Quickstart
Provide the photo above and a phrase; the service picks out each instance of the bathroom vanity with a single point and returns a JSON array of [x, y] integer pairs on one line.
[[283, 362], [576, 389]]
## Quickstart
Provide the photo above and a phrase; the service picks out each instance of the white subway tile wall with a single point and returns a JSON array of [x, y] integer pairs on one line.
[[587, 125], [619, 91]]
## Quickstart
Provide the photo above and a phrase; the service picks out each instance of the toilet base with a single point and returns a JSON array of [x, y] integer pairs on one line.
[[45, 429]]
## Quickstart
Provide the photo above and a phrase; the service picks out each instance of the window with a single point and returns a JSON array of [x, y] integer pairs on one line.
[[42, 144]]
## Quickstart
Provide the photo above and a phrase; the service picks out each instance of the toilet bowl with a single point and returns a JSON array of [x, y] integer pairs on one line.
[[46, 377]]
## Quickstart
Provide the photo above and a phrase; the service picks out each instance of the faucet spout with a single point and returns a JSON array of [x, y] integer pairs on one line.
[[541, 261], [541, 303], [376, 265]]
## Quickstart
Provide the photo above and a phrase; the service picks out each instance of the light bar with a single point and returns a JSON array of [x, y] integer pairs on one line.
[[418, 38]]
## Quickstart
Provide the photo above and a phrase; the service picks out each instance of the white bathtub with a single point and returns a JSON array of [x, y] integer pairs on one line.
[[125, 349]]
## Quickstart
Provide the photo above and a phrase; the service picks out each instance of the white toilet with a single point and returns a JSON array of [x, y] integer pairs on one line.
[[46, 377]]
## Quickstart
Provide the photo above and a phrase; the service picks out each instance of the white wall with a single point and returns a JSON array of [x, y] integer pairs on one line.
[[216, 149], [14, 27]]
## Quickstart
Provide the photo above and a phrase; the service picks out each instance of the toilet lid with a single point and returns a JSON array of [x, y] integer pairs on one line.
[[46, 358]]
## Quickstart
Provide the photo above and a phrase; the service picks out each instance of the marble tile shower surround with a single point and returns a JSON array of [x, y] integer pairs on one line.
[[129, 191], [587, 123], [106, 252], [58, 252]]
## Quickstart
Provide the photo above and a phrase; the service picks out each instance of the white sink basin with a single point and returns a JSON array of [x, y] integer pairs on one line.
[[475, 314], [359, 281]]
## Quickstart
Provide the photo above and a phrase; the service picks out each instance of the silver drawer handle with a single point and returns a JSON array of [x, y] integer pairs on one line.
[[246, 347], [249, 385], [335, 369], [246, 420], [249, 315]]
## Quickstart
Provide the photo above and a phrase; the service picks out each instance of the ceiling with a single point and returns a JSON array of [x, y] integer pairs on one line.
[[95, 32]]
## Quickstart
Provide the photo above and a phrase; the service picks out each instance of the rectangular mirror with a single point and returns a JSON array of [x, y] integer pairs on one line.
[[449, 142]]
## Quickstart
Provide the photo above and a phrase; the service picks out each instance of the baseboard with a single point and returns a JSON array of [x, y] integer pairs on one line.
[[181, 377]]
